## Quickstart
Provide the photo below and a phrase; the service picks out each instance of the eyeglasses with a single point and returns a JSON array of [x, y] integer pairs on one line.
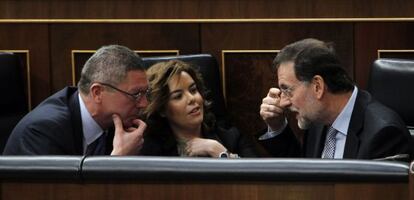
[[137, 96], [287, 91]]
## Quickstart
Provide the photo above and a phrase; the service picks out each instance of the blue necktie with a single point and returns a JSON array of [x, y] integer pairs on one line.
[[330, 143]]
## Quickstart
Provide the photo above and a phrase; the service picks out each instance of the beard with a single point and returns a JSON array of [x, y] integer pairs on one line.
[[312, 114], [303, 122]]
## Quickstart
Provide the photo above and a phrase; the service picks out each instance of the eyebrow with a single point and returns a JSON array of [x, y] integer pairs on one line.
[[180, 90], [175, 91]]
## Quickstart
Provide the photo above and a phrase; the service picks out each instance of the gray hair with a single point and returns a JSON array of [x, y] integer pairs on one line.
[[109, 64]]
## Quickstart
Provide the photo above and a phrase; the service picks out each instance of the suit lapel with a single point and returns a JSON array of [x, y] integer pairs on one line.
[[315, 141], [76, 122], [355, 126]]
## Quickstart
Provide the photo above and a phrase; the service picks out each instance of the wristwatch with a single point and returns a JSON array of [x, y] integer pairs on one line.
[[224, 154]]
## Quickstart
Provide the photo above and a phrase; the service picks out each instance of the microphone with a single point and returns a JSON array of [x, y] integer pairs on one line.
[[398, 157]]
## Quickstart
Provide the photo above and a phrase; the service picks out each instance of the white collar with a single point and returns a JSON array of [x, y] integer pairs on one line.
[[91, 129], [341, 123]]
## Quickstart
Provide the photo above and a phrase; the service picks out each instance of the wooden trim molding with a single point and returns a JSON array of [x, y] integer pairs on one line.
[[379, 51]]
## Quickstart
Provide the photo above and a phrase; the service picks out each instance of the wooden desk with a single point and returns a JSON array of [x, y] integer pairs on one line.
[[176, 178]]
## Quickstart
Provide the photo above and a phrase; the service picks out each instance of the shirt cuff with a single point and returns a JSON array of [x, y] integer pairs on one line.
[[271, 133]]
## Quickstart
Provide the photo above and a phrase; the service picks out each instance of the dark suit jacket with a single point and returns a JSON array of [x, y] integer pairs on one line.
[[232, 139], [375, 131], [54, 127]]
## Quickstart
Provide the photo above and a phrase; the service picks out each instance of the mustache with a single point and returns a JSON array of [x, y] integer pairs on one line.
[[141, 114], [292, 109]]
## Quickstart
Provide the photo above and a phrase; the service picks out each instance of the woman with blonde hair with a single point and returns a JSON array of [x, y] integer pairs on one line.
[[179, 120]]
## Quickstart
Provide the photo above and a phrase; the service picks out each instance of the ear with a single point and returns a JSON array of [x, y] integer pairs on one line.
[[318, 86], [96, 92]]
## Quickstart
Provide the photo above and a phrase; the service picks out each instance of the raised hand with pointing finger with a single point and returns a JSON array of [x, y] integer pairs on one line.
[[271, 111], [338, 119]]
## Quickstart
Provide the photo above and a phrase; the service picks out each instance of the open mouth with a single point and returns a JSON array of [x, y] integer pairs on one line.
[[195, 110]]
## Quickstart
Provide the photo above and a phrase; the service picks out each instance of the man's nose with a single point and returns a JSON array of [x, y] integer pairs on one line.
[[142, 102], [190, 98], [284, 101]]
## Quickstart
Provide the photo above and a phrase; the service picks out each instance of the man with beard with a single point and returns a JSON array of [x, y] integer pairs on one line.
[[100, 117], [340, 120]]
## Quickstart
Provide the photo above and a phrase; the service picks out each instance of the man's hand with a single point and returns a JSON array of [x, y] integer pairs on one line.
[[271, 111], [130, 141]]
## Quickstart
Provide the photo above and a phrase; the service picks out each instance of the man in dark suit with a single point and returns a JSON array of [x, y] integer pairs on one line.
[[341, 121], [101, 117]]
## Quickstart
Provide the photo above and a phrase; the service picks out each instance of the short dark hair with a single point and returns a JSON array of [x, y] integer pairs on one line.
[[158, 76], [314, 57]]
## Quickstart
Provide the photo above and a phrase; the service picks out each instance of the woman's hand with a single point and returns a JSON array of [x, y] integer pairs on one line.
[[204, 147]]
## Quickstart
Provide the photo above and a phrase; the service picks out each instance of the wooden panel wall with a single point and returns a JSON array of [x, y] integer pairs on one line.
[[35, 39], [202, 9], [371, 37], [67, 37], [208, 190], [247, 78]]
